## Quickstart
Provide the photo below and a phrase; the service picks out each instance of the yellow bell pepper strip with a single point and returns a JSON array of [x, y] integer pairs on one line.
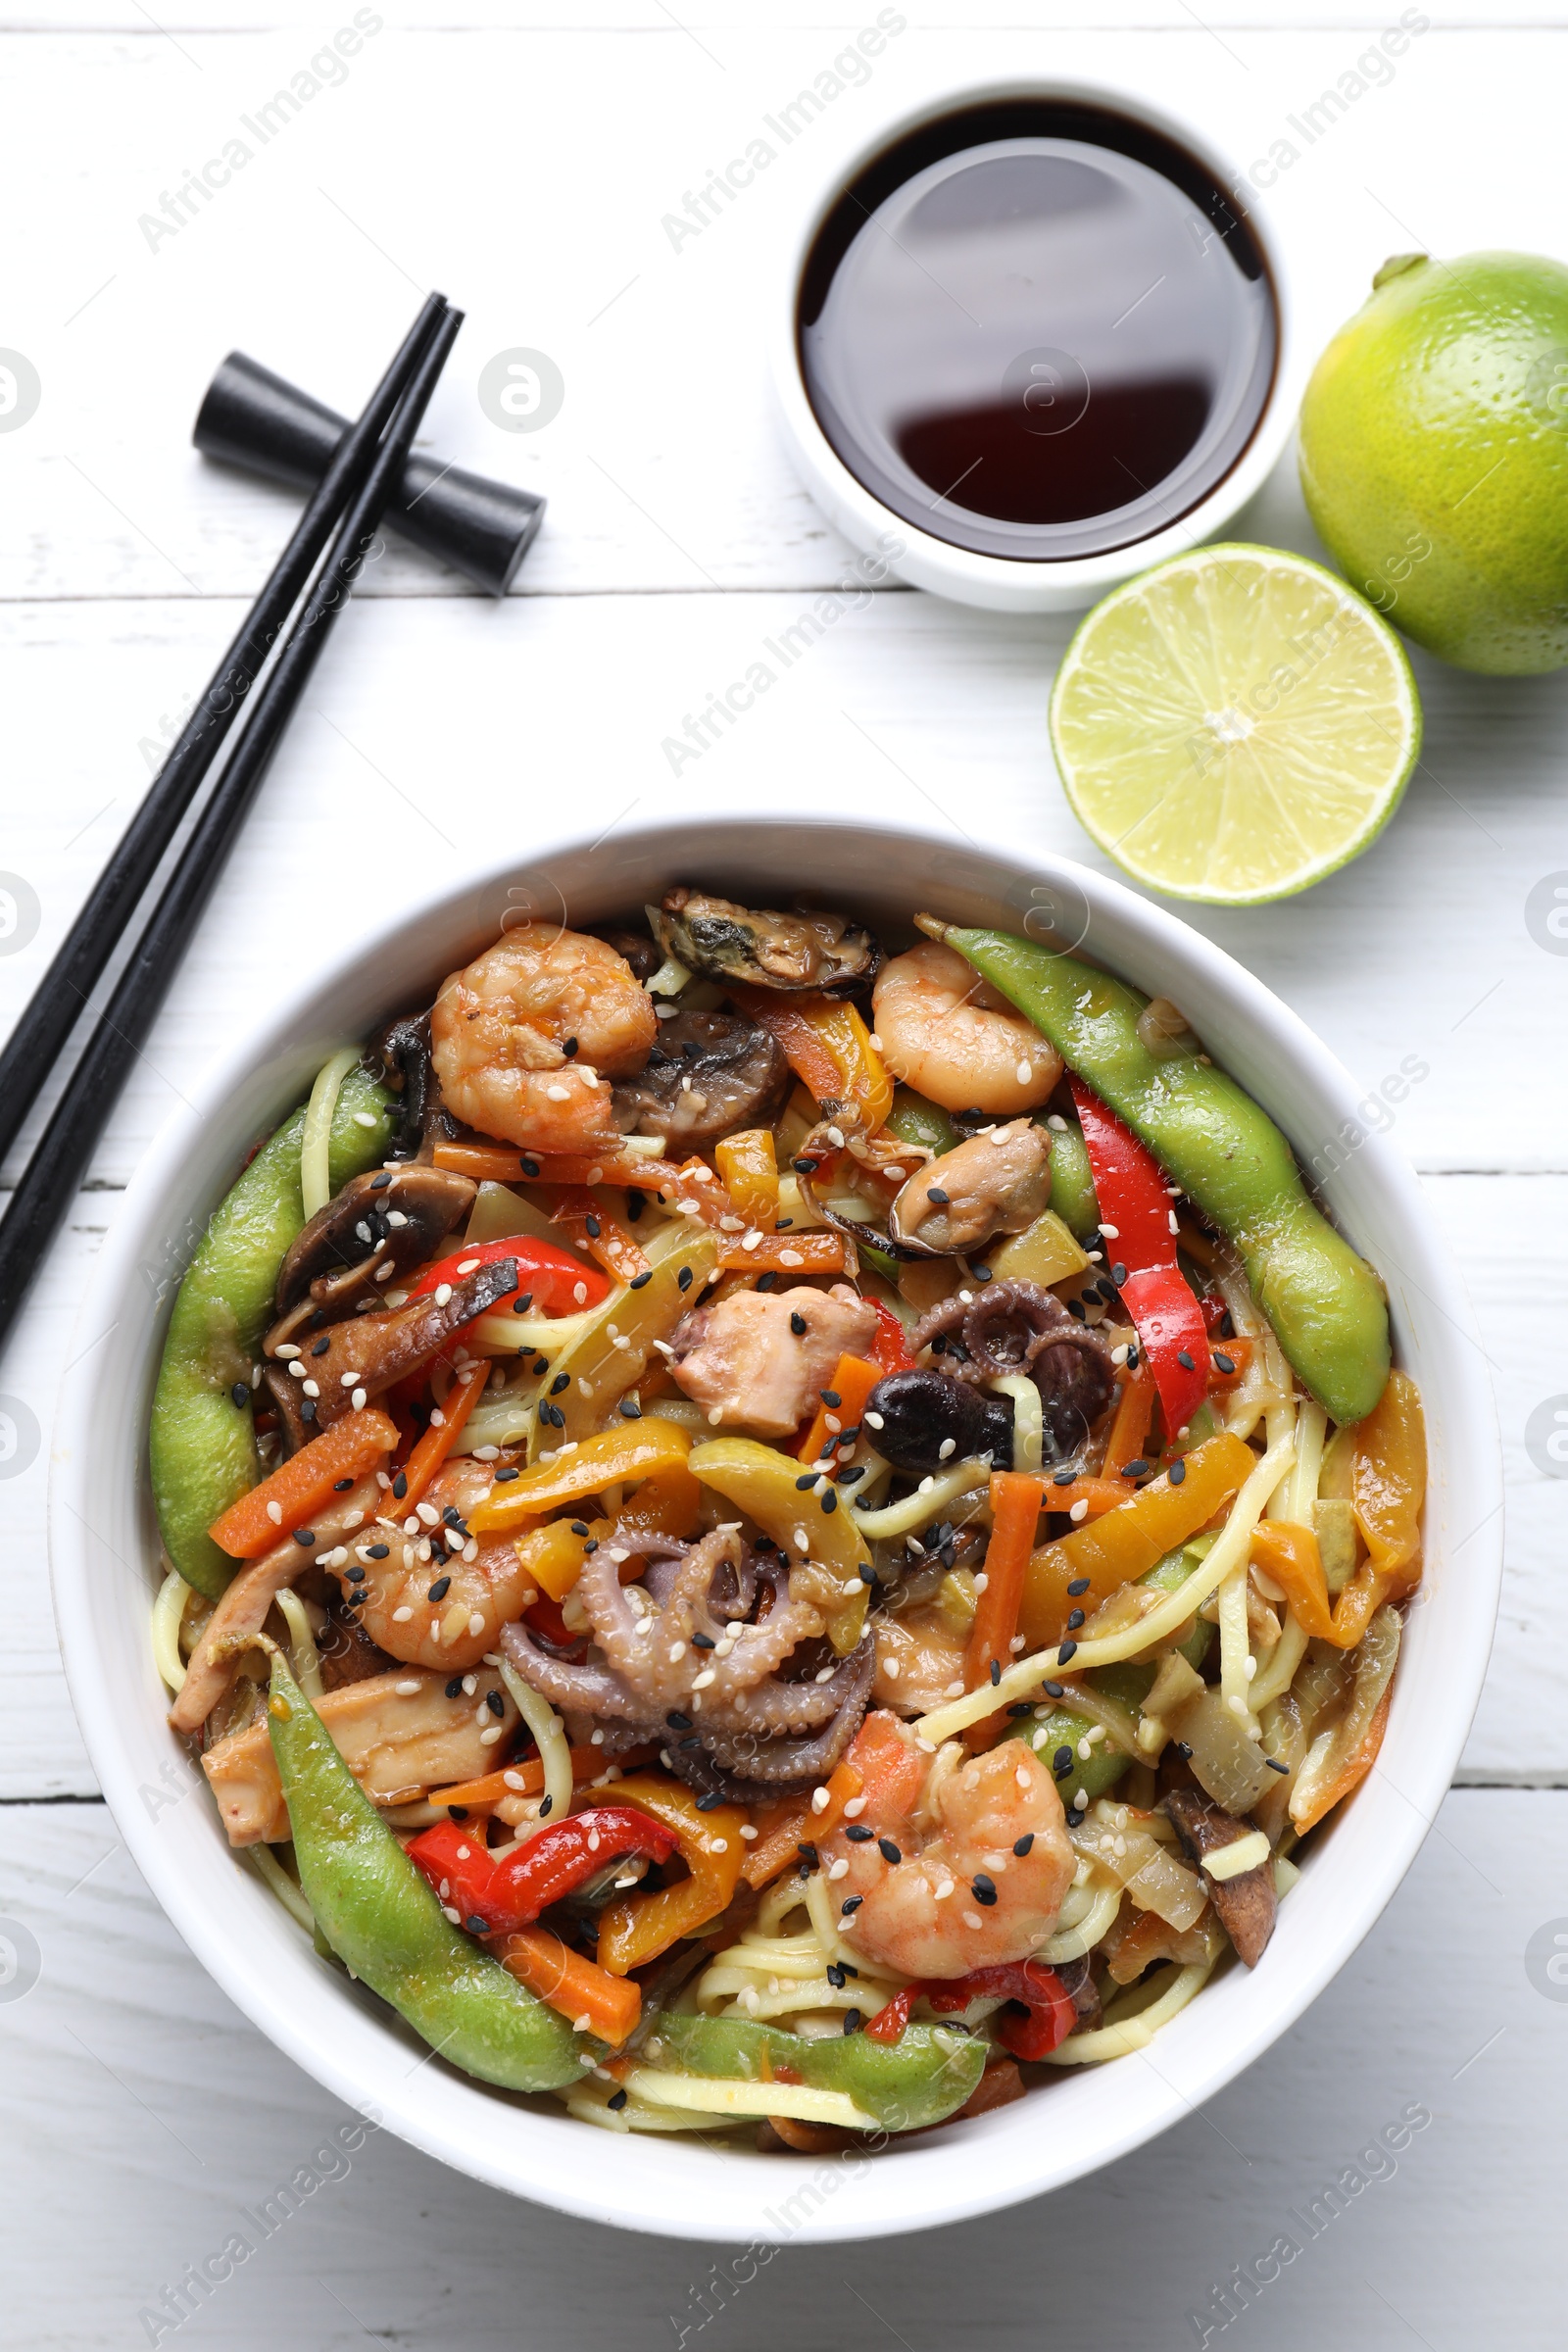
[[639, 1926], [749, 1167], [609, 1352], [1352, 1771], [1015, 1501], [666, 1504], [1128, 1542], [827, 1046], [637, 1450], [1389, 1474], [553, 1556], [851, 1385], [774, 1490], [600, 1232], [793, 1822], [595, 2001], [302, 1484], [786, 1253]]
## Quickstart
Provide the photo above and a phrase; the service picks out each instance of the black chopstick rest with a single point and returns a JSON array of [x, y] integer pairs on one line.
[[253, 419]]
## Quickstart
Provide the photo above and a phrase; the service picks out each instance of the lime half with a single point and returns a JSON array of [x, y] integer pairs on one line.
[[1234, 725]]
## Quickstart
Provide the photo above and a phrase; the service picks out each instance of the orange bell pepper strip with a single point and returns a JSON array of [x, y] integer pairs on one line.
[[600, 1232], [694, 1190], [639, 1926], [595, 2001], [1388, 1476], [784, 1254], [441, 1436], [749, 1167], [852, 1384], [1015, 1501], [1354, 1770], [552, 1555], [827, 1046], [504, 1163], [299, 1487], [794, 1822], [519, 1779], [1101, 1495], [1126, 1542], [637, 1450], [1290, 1555]]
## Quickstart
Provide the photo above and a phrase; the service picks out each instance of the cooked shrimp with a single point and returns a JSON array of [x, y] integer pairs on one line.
[[953, 1039], [523, 1037], [425, 1608], [980, 1857]]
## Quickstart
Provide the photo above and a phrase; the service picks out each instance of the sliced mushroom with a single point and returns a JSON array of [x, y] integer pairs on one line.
[[1247, 1903], [346, 1650], [378, 1227], [404, 1047], [998, 1182], [639, 950], [708, 1075], [823, 955], [372, 1351]]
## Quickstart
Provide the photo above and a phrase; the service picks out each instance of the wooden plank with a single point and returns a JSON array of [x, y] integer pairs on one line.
[[131, 2075]]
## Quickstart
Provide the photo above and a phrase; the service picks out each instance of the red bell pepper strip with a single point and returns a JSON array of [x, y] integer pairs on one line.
[[495, 1899], [1134, 1201], [890, 1349], [1052, 2011], [549, 1276]]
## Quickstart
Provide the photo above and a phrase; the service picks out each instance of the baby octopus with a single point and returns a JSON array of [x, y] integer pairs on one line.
[[526, 1038], [951, 1868]]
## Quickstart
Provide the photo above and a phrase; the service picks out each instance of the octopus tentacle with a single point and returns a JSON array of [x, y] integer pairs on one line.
[[590, 1689]]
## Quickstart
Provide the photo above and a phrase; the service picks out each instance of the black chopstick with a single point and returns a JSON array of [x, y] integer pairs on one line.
[[34, 1045], [57, 1162]]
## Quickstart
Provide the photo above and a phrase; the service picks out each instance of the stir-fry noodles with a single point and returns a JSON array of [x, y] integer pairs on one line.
[[765, 1533]]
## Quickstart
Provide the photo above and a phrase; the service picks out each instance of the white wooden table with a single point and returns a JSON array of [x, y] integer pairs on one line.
[[528, 168]]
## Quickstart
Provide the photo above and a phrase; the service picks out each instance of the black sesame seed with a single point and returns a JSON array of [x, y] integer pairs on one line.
[[240, 1392], [569, 1046], [530, 1168], [851, 2021], [853, 1903], [1106, 1290], [546, 1804], [1178, 1473], [593, 1228], [454, 1687], [1079, 1585], [440, 1588], [320, 1348], [983, 1887], [629, 1410], [835, 1975], [1021, 1846], [770, 1280], [1118, 1275], [495, 1703], [1063, 1478], [616, 2101], [356, 1576], [829, 1502], [1227, 1325], [1074, 1816], [1076, 1307], [995, 1672], [683, 1280], [678, 1722], [378, 1552], [592, 1544], [579, 1527], [1054, 1690], [562, 1380], [691, 1740], [798, 1325], [1182, 1750], [1021, 1706], [706, 1804], [1062, 1762], [1184, 1359], [637, 1280], [804, 1168], [1223, 1363], [305, 1536], [935, 1192], [456, 1812], [635, 1205], [379, 1184], [504, 1476], [1075, 1618], [701, 1641], [400, 1485], [859, 1835], [809, 1480], [477, 1926], [308, 1409], [980, 1273], [1136, 1468], [341, 1485], [808, 1852], [1066, 1650]]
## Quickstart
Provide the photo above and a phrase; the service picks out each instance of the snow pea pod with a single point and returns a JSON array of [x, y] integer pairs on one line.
[[1072, 1182], [1326, 1305], [919, 2079], [383, 1917], [202, 1437]]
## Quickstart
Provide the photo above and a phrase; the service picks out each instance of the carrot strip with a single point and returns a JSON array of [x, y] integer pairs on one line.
[[439, 1438], [601, 1234], [299, 1487], [852, 1384], [1238, 1353], [793, 1823], [595, 2001], [747, 1167], [784, 1254], [1134, 1410], [500, 1163], [694, 1189], [1015, 1505], [528, 1779]]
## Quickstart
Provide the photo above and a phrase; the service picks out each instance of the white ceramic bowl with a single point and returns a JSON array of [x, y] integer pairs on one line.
[[104, 1552], [1005, 584]]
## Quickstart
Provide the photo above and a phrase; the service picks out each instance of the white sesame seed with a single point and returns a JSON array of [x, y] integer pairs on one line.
[[948, 1447], [287, 1352], [872, 1420], [470, 1685], [1080, 1801], [839, 1869], [819, 1800], [558, 1093], [298, 1371], [311, 1388], [489, 1737], [275, 1512], [790, 1257], [890, 1667], [443, 1293], [409, 1689], [954, 1690], [1079, 1510], [1112, 1233], [428, 1515], [579, 1292], [749, 1831], [475, 1623], [384, 1273]]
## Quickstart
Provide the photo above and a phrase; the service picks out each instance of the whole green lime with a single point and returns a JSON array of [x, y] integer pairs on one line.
[[1435, 456]]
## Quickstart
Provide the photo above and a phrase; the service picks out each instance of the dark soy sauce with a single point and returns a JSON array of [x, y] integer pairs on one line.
[[1036, 329]]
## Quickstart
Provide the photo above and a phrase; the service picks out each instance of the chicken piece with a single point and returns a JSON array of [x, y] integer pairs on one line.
[[399, 1734], [760, 1358]]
